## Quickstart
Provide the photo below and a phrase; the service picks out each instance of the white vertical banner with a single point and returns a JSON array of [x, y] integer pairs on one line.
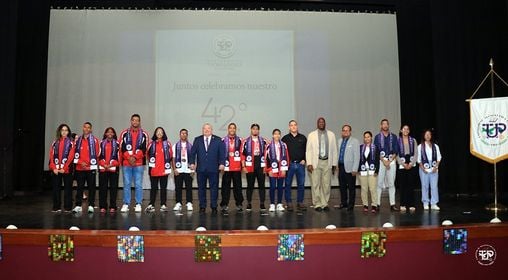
[[488, 133]]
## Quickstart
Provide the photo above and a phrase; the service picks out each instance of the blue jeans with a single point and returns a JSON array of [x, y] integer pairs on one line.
[[213, 180], [135, 172], [276, 183], [426, 180], [299, 170]]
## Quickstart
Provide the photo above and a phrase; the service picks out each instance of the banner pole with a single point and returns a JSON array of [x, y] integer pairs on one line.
[[494, 207]]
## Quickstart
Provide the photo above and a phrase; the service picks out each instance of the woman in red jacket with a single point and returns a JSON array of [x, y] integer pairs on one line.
[[159, 156], [277, 157], [109, 162], [61, 154]]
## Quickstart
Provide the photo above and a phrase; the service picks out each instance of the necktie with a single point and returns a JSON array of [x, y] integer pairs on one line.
[[206, 143]]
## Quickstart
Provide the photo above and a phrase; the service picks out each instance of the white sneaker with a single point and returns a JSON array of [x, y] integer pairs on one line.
[[164, 208], [148, 209], [90, 209], [272, 208], [125, 208], [425, 207], [189, 206], [412, 209], [280, 207], [77, 209], [137, 209], [403, 209], [178, 207], [435, 207]]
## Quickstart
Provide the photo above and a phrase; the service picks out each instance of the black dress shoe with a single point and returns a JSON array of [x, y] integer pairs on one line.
[[202, 210], [350, 208], [318, 209], [214, 210], [342, 206], [289, 207], [394, 208], [326, 209], [302, 207]]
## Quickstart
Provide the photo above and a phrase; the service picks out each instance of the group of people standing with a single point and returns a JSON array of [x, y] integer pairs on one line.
[[280, 158]]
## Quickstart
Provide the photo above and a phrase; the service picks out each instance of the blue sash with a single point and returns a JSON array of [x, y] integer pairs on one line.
[[274, 163], [249, 160], [371, 159], [167, 155], [127, 140], [114, 150], [425, 159], [91, 150], [402, 155], [66, 151], [178, 152]]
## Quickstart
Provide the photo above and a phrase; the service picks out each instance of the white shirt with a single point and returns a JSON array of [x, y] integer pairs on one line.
[[366, 154], [185, 165], [206, 140], [428, 151]]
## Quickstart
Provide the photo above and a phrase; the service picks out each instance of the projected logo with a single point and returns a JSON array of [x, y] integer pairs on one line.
[[485, 255], [224, 46], [491, 130]]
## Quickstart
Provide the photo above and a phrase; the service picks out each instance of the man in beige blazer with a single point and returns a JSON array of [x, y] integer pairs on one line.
[[321, 157]]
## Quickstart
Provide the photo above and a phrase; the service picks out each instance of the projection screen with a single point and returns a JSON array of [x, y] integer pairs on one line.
[[182, 68]]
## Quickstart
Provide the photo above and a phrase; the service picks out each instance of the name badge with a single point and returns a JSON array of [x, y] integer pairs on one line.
[[363, 173], [167, 171], [151, 164], [112, 168], [429, 170], [401, 166], [371, 172], [226, 168], [248, 163], [93, 167], [275, 170], [236, 158], [284, 168]]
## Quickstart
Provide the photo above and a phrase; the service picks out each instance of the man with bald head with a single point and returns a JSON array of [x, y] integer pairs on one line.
[[321, 158], [207, 158]]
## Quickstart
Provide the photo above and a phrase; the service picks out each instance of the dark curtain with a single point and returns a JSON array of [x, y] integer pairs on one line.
[[8, 24]]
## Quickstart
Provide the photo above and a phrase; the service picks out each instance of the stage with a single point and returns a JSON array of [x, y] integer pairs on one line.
[[34, 212], [415, 242]]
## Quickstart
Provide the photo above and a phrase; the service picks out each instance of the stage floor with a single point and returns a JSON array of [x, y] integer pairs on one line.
[[33, 212]]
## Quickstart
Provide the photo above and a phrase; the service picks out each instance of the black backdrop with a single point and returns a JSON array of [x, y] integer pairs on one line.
[[444, 50]]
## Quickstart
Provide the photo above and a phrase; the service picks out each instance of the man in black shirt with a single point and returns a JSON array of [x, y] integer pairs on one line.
[[296, 144]]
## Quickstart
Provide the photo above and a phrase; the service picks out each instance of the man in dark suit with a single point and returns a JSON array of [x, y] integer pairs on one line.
[[207, 158]]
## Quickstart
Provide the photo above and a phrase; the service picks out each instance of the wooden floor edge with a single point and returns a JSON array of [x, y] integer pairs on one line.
[[247, 238]]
